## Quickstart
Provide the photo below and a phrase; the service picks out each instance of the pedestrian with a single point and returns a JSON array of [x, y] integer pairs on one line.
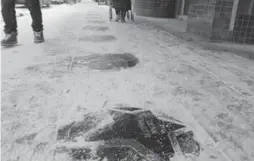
[[9, 17], [121, 7], [125, 7], [117, 6]]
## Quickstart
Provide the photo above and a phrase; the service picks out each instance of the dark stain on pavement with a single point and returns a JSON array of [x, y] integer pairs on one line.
[[33, 68], [96, 28], [96, 21], [106, 61], [26, 138], [98, 38]]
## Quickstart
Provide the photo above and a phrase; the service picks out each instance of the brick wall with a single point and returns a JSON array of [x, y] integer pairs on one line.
[[200, 17], [211, 19], [244, 29], [155, 8], [244, 25], [221, 21]]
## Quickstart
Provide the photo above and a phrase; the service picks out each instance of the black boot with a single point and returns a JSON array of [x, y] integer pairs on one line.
[[38, 37], [9, 39]]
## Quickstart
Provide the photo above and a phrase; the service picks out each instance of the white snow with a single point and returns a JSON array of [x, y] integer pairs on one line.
[[174, 76]]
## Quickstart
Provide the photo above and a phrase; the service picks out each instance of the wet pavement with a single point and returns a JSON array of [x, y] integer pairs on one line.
[[89, 65]]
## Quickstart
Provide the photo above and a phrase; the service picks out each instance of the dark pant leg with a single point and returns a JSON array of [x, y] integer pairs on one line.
[[123, 13], [117, 11], [35, 12], [9, 16]]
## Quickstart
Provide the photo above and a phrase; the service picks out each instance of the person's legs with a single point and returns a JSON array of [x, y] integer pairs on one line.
[[123, 14], [117, 14], [9, 17], [117, 11], [35, 12]]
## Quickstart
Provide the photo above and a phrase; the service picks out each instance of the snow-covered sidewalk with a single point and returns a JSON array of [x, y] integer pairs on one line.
[[48, 85]]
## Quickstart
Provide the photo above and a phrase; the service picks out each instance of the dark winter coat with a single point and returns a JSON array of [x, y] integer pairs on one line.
[[122, 4]]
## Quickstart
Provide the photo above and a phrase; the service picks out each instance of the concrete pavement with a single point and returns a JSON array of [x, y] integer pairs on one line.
[[48, 85], [178, 28]]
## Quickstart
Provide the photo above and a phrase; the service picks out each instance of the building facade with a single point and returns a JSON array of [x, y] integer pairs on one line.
[[222, 20], [155, 8], [216, 20]]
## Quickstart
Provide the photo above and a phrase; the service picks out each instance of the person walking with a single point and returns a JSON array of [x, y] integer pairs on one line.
[[117, 6], [121, 7], [9, 17], [125, 7]]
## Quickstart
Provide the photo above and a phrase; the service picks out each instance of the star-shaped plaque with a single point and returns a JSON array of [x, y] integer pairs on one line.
[[134, 133]]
